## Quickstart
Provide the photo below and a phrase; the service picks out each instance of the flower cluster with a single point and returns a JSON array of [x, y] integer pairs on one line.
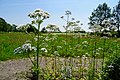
[[38, 13], [85, 44], [44, 50], [25, 48]]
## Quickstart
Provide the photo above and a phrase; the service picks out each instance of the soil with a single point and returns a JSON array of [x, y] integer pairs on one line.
[[15, 69]]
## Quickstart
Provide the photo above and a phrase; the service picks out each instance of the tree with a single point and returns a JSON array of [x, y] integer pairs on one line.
[[9, 28], [3, 24], [95, 28], [77, 29], [116, 16], [101, 13], [6, 27], [27, 28], [22, 28], [43, 30], [14, 28], [53, 28]]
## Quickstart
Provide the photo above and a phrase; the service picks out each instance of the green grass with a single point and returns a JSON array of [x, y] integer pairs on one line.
[[10, 41]]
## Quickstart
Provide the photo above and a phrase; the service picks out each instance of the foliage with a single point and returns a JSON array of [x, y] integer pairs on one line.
[[112, 68], [53, 28], [6, 27], [101, 13], [27, 28], [9, 41], [116, 17]]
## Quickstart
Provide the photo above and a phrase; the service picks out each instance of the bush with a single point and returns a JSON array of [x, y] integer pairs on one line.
[[111, 70]]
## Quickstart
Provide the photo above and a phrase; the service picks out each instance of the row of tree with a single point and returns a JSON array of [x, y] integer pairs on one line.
[[6, 27], [103, 18]]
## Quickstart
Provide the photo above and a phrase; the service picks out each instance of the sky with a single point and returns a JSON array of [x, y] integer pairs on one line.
[[16, 11]]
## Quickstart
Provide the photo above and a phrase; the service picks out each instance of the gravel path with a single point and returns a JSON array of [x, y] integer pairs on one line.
[[14, 69]]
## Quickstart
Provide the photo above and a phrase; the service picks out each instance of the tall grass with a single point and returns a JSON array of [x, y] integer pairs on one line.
[[9, 41]]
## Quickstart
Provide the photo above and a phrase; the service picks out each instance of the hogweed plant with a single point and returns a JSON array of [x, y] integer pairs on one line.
[[67, 13], [38, 17]]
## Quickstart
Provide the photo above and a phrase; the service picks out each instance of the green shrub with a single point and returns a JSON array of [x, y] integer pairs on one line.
[[111, 70]]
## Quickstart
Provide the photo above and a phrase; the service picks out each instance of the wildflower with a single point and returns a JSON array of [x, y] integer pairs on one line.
[[39, 36], [18, 50], [84, 57], [100, 48], [35, 39], [34, 48], [78, 46], [68, 12], [70, 48], [63, 41], [47, 39], [54, 38], [78, 56], [104, 37], [56, 53], [87, 54], [84, 42], [26, 47], [44, 50], [110, 66], [84, 46], [75, 37], [97, 53], [68, 71], [28, 41], [44, 45], [39, 13], [59, 47]]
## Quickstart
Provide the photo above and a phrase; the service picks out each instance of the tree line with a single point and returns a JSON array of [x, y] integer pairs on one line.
[[6, 27]]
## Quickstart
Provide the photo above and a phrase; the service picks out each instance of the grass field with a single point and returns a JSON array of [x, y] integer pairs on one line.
[[74, 45], [8, 42]]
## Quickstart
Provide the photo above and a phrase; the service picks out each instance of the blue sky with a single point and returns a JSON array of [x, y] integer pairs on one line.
[[16, 11]]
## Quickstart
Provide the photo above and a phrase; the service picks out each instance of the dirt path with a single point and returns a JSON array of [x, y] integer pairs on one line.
[[14, 69], [18, 69]]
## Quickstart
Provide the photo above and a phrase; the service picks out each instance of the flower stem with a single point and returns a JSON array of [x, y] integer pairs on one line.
[[38, 51]]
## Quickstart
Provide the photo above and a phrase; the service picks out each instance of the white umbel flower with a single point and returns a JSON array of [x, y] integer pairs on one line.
[[18, 50], [26, 47], [44, 50], [39, 13]]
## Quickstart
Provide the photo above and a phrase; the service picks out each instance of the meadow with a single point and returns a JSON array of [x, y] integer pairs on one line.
[[8, 42], [76, 45], [65, 56]]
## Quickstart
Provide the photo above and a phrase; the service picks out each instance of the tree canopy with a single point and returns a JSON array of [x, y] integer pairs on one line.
[[99, 15], [116, 17]]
